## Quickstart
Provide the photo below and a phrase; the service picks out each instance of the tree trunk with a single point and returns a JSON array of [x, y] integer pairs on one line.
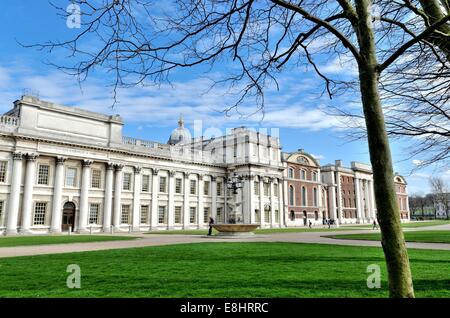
[[388, 214]]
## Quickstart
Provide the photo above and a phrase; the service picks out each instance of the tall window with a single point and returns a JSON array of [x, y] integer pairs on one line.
[[162, 214], [219, 188], [266, 189], [275, 189], [96, 178], [145, 183], [144, 214], [126, 184], [206, 214], [291, 173], [192, 214], [178, 182], [256, 187], [267, 215], [303, 196], [315, 197], [71, 177], [40, 209], [193, 186], [125, 215], [178, 214], [206, 186], [94, 209], [277, 216], [291, 195], [43, 174], [219, 214], [303, 174], [314, 176], [3, 166], [2, 204], [162, 184]]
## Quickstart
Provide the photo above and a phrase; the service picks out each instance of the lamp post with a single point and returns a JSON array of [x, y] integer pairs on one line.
[[234, 183]]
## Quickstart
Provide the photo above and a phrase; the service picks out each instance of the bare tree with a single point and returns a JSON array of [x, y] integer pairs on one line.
[[140, 42], [441, 194]]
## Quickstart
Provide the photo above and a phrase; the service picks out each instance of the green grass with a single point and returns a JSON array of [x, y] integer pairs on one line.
[[220, 270], [412, 224], [258, 231], [413, 236], [58, 239]]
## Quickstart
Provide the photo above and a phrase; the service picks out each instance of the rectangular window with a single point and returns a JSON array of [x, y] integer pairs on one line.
[[277, 216], [192, 214], [178, 214], [40, 209], [145, 183], [275, 189], [125, 216], [162, 215], [3, 167], [178, 182], [71, 177], [219, 215], [256, 188], [94, 209], [267, 216], [126, 182], [266, 189], [96, 178], [162, 184], [206, 214], [2, 204], [193, 186], [43, 174], [219, 188], [206, 186], [144, 214]]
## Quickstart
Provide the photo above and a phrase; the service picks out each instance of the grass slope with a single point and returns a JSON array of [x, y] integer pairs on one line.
[[258, 231], [416, 236], [220, 270], [57, 239]]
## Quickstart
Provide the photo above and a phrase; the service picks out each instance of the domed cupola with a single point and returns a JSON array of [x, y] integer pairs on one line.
[[180, 134]]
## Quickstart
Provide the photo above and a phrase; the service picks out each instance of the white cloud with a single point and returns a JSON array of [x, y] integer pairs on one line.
[[417, 162], [318, 157]]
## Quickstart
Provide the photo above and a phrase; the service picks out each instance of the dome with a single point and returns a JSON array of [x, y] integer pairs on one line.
[[180, 134]]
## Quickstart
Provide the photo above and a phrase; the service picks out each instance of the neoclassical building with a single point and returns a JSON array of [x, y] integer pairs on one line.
[[64, 168]]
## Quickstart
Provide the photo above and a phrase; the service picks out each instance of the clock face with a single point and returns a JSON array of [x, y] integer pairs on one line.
[[302, 160]]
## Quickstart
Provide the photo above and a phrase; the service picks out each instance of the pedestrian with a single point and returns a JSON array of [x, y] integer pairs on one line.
[[211, 222], [310, 224], [375, 226], [329, 223]]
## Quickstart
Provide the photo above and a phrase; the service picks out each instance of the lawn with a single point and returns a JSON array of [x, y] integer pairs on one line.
[[412, 236], [58, 239], [412, 224], [258, 231], [220, 270]]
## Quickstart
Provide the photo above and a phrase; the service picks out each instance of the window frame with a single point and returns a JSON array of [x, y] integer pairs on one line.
[[38, 181]]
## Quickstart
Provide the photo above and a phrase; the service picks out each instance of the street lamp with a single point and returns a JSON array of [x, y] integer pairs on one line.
[[234, 183]]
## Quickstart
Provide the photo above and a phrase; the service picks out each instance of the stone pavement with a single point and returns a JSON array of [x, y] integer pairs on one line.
[[168, 239]]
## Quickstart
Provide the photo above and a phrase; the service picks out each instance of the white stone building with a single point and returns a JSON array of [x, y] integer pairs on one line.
[[66, 168]]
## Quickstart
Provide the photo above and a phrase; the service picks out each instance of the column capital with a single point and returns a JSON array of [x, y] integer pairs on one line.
[[187, 174], [200, 176], [172, 173], [118, 167], [86, 163], [213, 178], [32, 156], [137, 169], [155, 171], [60, 160], [109, 166], [17, 156]]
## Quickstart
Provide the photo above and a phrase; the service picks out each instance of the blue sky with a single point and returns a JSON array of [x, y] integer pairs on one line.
[[152, 112]]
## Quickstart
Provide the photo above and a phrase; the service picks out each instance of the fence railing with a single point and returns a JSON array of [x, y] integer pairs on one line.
[[9, 120]]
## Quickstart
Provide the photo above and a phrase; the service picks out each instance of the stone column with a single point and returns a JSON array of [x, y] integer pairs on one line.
[[251, 202], [262, 212], [372, 200], [214, 199], [155, 191], [332, 203], [186, 201], [358, 199], [136, 220], [57, 196], [272, 203], [200, 212], [27, 200], [171, 203], [285, 203], [107, 207], [14, 195], [339, 196], [280, 203], [368, 201], [84, 197], [117, 204]]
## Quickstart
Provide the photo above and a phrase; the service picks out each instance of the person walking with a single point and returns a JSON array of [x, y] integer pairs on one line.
[[375, 225], [310, 224], [211, 222]]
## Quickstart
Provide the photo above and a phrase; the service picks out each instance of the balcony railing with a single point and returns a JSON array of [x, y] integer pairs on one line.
[[9, 120]]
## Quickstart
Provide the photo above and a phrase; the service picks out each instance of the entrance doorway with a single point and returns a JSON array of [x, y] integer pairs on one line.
[[68, 219]]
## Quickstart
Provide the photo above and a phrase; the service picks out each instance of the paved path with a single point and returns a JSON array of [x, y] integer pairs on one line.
[[166, 239]]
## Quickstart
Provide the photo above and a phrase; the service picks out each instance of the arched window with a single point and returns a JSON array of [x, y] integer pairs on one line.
[[315, 197], [304, 196], [303, 174], [291, 173], [314, 176], [291, 195]]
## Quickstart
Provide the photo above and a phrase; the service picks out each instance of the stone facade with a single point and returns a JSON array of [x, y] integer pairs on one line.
[[64, 168]]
